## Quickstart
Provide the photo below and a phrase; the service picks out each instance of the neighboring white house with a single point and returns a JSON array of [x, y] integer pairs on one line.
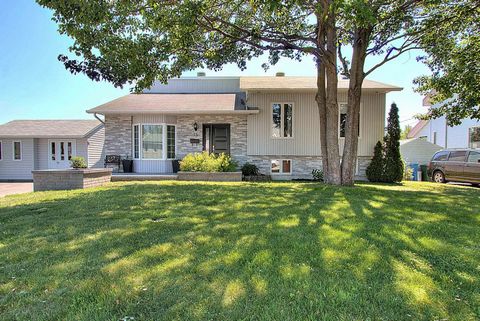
[[417, 150], [27, 145], [436, 131], [272, 122]]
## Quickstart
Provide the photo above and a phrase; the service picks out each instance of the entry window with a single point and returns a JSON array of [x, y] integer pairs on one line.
[[474, 137], [170, 141], [62, 151], [281, 166], [152, 141], [457, 156], [53, 153], [441, 156], [69, 150], [343, 108], [282, 120], [17, 150], [474, 157], [136, 142]]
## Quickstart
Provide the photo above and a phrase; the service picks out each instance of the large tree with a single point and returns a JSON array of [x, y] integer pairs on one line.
[[451, 39], [142, 41]]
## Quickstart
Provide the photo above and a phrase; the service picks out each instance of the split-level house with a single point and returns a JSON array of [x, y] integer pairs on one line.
[[272, 122]]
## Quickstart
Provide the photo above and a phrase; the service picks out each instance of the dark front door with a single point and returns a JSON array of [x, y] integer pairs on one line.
[[216, 138]]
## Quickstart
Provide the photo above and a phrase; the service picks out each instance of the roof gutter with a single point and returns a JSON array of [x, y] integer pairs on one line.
[[99, 119]]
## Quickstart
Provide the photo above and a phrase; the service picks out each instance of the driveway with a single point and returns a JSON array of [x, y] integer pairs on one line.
[[15, 188]]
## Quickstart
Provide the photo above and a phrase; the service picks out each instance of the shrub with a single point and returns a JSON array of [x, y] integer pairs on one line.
[[376, 168], [205, 162], [394, 166], [317, 175], [78, 162], [249, 169]]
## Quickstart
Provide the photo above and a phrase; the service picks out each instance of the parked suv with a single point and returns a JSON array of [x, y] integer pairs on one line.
[[457, 165]]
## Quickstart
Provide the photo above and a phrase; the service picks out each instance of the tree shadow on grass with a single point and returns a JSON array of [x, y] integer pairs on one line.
[[240, 251]]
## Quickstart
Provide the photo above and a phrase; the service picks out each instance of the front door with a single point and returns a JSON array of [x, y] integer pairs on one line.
[[60, 152], [216, 138]]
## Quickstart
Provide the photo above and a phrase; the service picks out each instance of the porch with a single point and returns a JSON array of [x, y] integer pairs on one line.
[[122, 177]]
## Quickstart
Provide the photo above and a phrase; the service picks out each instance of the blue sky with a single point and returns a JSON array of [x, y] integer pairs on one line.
[[35, 85]]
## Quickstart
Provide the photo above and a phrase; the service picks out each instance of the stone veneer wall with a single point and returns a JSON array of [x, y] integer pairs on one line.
[[118, 135], [238, 134], [302, 166], [67, 179]]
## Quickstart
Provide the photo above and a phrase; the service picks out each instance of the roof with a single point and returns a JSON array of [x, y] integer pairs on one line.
[[49, 128], [306, 83], [417, 128], [411, 140], [176, 104]]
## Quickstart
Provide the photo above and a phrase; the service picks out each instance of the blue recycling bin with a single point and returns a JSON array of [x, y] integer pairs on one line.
[[415, 167]]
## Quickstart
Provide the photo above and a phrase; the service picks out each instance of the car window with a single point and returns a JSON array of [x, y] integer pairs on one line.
[[474, 157], [457, 156], [440, 156]]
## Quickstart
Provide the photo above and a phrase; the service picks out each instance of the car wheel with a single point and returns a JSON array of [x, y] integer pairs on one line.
[[438, 177]]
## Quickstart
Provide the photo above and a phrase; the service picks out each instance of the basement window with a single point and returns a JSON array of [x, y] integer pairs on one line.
[[281, 166]]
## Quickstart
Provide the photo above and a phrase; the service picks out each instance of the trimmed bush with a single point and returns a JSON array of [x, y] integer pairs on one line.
[[394, 167], [249, 169], [205, 162], [78, 162], [376, 168], [317, 175]]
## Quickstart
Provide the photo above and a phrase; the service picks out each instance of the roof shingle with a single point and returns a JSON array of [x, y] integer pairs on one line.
[[48, 128]]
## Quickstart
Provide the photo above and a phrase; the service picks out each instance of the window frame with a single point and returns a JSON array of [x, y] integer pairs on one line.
[[164, 141], [282, 122], [468, 157], [468, 135], [360, 118], [13, 151], [1, 150], [465, 157], [281, 166]]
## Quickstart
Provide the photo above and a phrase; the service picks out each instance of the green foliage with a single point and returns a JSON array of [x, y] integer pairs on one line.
[[317, 175], [450, 37], [406, 130], [206, 162], [393, 160], [78, 162], [249, 169], [376, 169]]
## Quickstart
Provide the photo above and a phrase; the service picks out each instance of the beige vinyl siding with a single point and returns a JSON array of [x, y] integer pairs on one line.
[[17, 169], [155, 119], [96, 151], [306, 130]]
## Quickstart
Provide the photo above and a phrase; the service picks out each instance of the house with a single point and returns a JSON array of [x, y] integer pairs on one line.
[[436, 131], [272, 122], [27, 145], [417, 150]]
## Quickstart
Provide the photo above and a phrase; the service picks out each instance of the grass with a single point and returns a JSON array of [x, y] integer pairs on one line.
[[239, 251]]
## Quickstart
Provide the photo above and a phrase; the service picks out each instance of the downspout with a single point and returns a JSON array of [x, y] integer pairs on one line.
[[99, 119]]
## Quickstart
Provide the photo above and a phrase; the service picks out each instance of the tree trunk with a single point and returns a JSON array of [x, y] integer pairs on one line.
[[350, 148], [321, 99], [332, 152]]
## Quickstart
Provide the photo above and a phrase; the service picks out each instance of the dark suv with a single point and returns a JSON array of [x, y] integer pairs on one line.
[[457, 165]]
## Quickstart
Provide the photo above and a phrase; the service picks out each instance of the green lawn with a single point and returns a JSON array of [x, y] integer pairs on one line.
[[239, 251]]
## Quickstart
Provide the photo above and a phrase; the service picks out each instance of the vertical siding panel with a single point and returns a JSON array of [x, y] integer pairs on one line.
[[10, 169], [306, 140], [96, 150]]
